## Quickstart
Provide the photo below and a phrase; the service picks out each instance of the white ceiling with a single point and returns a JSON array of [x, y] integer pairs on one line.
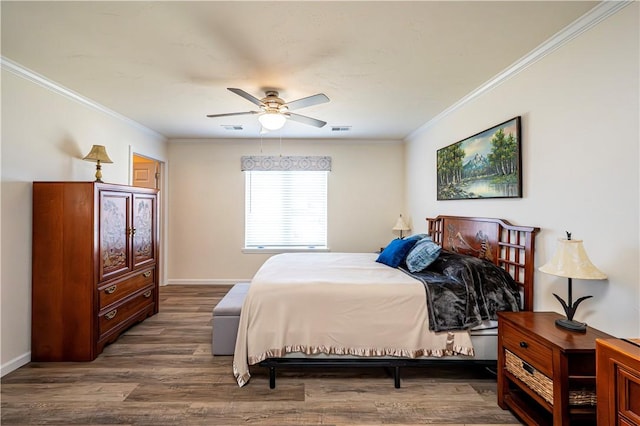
[[388, 67]]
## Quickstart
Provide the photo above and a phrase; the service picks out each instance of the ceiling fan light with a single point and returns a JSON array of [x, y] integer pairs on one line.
[[272, 120]]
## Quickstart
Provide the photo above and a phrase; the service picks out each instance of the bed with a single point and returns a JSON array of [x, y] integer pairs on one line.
[[326, 309]]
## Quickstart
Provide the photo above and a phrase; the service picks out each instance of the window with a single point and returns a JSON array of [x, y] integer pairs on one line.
[[285, 209]]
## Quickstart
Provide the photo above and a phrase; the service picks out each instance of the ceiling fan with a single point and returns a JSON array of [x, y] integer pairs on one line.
[[274, 111]]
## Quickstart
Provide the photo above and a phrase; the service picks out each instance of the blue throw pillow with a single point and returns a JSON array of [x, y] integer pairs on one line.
[[395, 252], [422, 254]]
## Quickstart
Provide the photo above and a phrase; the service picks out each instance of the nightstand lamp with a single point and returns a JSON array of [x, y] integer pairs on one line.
[[571, 261], [401, 226]]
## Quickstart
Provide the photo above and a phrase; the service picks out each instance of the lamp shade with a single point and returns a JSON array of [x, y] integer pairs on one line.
[[571, 261], [98, 153], [400, 225], [272, 120]]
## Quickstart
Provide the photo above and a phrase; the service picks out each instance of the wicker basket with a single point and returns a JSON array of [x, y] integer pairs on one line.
[[543, 385], [582, 397]]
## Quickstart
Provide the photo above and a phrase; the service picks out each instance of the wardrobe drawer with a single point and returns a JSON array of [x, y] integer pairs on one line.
[[118, 290], [111, 318]]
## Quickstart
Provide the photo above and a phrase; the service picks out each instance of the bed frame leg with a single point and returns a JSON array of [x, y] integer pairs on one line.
[[272, 377], [396, 377]]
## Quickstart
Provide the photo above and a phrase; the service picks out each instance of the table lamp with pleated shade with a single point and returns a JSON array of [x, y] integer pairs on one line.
[[401, 226], [571, 261]]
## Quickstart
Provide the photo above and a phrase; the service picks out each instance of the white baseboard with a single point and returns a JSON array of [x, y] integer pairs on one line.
[[207, 281], [15, 363]]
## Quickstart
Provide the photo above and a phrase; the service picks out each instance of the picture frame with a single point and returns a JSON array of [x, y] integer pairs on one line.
[[485, 165]]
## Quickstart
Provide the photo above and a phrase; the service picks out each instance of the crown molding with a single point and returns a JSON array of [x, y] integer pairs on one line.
[[593, 17], [41, 80]]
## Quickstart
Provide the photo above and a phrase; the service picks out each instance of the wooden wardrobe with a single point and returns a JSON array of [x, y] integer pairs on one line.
[[95, 266]]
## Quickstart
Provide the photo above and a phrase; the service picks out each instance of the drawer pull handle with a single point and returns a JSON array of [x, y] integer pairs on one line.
[[147, 294], [524, 345], [147, 274], [528, 368], [111, 289], [110, 315]]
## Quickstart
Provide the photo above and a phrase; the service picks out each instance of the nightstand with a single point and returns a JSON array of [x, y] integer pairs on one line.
[[546, 374]]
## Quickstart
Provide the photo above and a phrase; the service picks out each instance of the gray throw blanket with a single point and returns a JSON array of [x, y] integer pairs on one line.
[[462, 291]]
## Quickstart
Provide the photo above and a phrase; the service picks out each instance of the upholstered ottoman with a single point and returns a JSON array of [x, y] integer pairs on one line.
[[226, 317]]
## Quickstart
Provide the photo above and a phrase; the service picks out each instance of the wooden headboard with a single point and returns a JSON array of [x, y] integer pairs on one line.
[[508, 246]]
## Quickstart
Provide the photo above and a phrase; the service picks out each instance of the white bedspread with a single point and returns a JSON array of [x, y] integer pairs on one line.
[[336, 304]]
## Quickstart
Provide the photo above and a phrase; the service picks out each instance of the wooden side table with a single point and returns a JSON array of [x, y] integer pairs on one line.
[[618, 370], [546, 374]]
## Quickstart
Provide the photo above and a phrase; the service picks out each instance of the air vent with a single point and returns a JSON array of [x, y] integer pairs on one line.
[[340, 128], [232, 126]]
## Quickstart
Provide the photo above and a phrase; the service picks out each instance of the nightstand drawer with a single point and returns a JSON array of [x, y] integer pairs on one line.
[[533, 352]]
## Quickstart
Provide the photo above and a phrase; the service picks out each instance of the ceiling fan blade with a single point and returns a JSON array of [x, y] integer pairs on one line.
[[306, 120], [320, 98], [245, 95], [232, 113]]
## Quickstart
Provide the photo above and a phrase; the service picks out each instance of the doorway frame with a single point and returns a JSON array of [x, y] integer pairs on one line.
[[163, 185]]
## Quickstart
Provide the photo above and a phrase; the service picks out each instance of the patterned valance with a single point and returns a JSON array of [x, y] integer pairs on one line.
[[276, 162]]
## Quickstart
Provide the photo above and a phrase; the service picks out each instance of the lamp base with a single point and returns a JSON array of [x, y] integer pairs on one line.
[[98, 172], [572, 325]]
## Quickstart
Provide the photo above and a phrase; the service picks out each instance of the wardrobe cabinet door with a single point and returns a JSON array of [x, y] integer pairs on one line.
[[144, 230], [115, 233]]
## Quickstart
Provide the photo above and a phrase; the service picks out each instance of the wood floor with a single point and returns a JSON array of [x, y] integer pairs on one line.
[[161, 372]]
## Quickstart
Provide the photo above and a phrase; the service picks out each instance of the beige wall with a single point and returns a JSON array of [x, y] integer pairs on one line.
[[206, 215], [580, 138], [44, 137]]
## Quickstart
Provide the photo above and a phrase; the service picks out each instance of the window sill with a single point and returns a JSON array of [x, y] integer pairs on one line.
[[274, 250]]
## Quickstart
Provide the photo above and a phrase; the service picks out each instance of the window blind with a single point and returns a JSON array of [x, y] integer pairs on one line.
[[285, 209]]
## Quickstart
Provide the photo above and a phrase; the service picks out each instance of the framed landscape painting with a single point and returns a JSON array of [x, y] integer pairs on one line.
[[485, 165]]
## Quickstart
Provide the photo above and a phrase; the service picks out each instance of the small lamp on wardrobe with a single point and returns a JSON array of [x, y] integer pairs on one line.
[[571, 261], [401, 226], [98, 154]]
